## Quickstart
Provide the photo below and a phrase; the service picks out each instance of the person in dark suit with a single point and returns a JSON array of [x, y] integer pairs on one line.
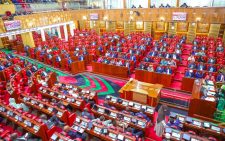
[[199, 74], [220, 77], [142, 115], [189, 73], [159, 69], [168, 70], [87, 114]]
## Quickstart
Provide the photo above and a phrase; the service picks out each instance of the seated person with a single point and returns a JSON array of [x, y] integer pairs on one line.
[[171, 62], [220, 77], [191, 58], [168, 70], [148, 59], [203, 48], [210, 77], [53, 121], [201, 59], [142, 115], [150, 68], [34, 68], [167, 56], [74, 134], [153, 53], [189, 73], [159, 69], [194, 47], [142, 66], [192, 65], [212, 68], [134, 132], [163, 62], [199, 74], [178, 51], [87, 114], [101, 120], [174, 122], [106, 104], [28, 73], [2, 67], [201, 53], [220, 48], [201, 66], [211, 60], [128, 111]]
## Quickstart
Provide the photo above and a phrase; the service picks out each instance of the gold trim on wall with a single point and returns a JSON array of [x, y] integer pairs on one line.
[[202, 27], [139, 25], [119, 24]]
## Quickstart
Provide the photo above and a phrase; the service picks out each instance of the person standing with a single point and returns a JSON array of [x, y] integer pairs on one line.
[[160, 121]]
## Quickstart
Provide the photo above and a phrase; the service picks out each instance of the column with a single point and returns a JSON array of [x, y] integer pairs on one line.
[[65, 32], [28, 39], [72, 27], [149, 3], [124, 4], [43, 35], [1, 43], [178, 2], [59, 32]]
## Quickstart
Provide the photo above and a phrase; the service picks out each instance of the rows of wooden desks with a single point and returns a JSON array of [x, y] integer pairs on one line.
[[122, 104], [75, 102], [29, 124], [100, 131], [153, 77], [75, 67], [135, 122], [118, 71], [46, 108], [201, 127], [176, 135]]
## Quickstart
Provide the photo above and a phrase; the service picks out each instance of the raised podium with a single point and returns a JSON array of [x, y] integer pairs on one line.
[[145, 93]]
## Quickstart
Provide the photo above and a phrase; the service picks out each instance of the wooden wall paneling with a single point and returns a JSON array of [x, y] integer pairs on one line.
[[191, 32], [132, 27], [110, 26], [202, 29], [182, 28], [126, 28], [172, 28], [148, 27], [224, 37], [214, 30], [81, 24]]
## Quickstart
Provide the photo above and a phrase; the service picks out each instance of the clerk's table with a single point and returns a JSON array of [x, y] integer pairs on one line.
[[145, 93]]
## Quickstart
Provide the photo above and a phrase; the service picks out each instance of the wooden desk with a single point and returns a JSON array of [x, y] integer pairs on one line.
[[114, 114], [80, 122], [135, 107], [77, 67], [118, 71], [153, 77], [181, 134], [187, 84], [200, 129], [58, 136], [76, 103], [141, 92], [38, 129], [44, 107]]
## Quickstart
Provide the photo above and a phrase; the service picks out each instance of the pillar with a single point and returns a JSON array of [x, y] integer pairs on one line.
[[124, 4], [72, 27], [149, 3], [1, 43], [178, 3], [59, 32], [65, 32], [43, 35], [28, 39]]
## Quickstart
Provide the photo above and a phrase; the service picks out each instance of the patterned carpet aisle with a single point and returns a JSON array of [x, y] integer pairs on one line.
[[101, 84]]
